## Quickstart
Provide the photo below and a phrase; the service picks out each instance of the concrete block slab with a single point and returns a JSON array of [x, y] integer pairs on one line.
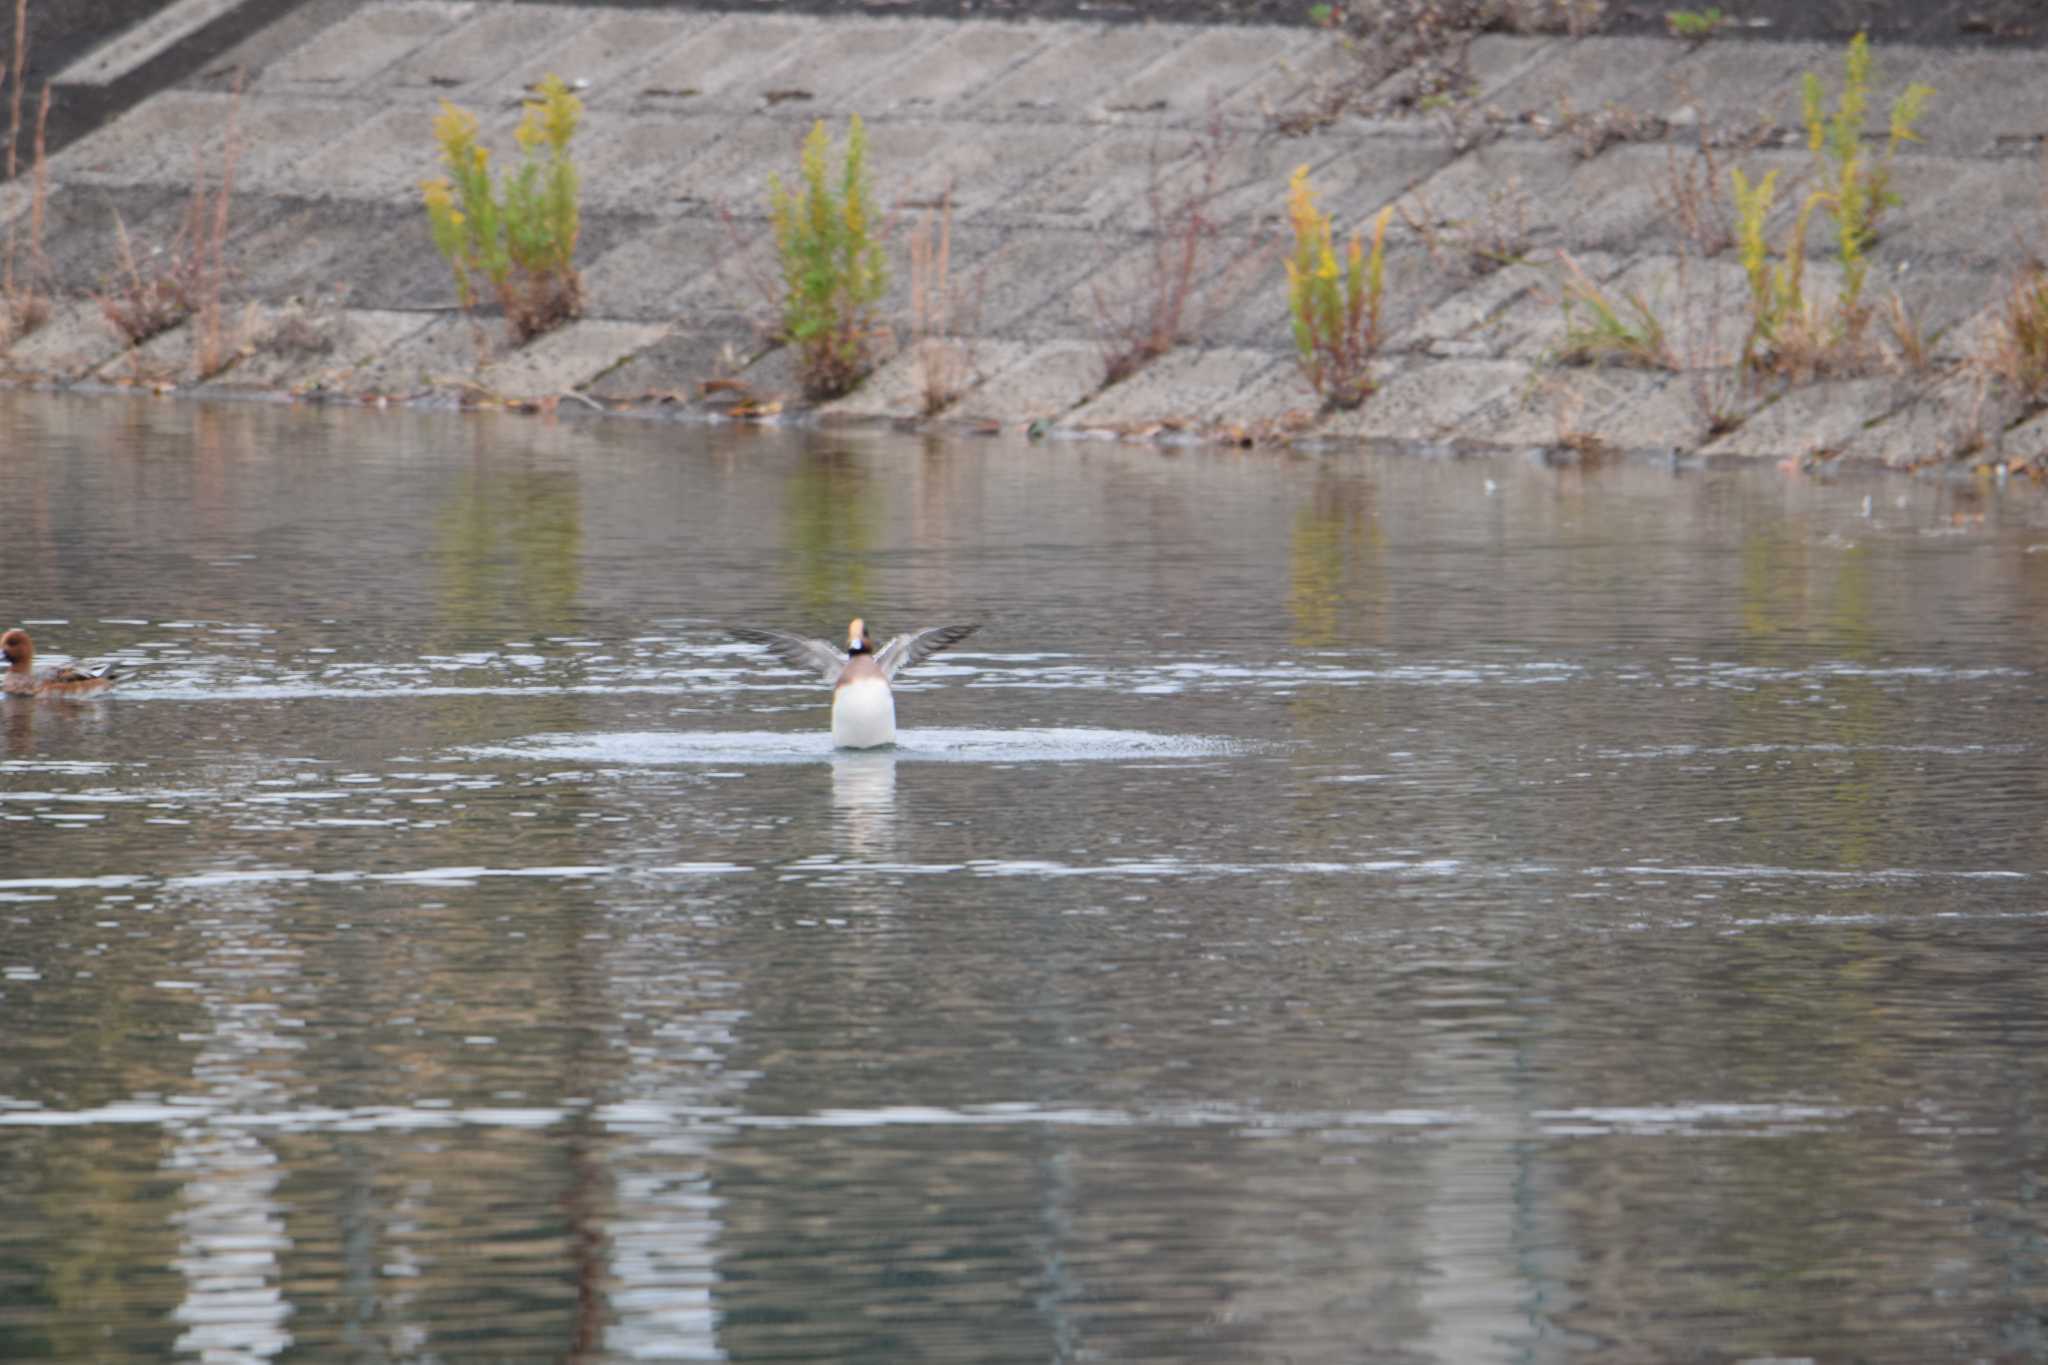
[[83, 230], [1099, 182], [365, 43], [126, 51], [741, 288], [1733, 86], [1353, 176], [1810, 420], [1986, 102], [567, 358], [445, 354], [1278, 396], [1491, 199], [1555, 407], [841, 56], [1211, 70], [1616, 200], [297, 131], [1046, 381], [313, 348], [640, 162], [924, 373], [1082, 71], [1586, 76], [990, 168], [708, 63], [385, 157], [1469, 318], [646, 276], [485, 44], [600, 58], [1427, 402], [730, 162], [76, 340], [966, 58], [165, 140], [2027, 442], [1931, 427], [1300, 81], [1975, 336], [1671, 412], [1497, 60], [675, 367], [1493, 62], [1959, 211], [1023, 284], [1186, 385]]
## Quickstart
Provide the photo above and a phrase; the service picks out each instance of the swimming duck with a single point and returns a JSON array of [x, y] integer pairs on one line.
[[22, 680], [863, 708]]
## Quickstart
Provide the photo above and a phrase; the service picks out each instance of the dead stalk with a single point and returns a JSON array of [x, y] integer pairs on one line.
[[945, 360], [185, 280], [27, 305], [1157, 315]]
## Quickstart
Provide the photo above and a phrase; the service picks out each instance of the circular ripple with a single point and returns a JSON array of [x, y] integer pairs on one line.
[[1049, 745]]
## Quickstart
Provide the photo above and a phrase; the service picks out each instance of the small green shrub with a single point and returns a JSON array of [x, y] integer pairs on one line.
[[1599, 329], [1792, 334], [521, 236], [1336, 312], [1694, 24], [1858, 185], [2017, 349], [834, 270], [1789, 332]]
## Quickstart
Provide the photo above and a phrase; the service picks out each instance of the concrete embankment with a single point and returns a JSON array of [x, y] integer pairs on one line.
[[1059, 143]]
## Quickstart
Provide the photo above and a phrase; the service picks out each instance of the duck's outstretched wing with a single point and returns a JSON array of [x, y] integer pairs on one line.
[[66, 681], [812, 656], [905, 650]]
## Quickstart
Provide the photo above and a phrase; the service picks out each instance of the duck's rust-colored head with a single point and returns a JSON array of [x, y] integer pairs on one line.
[[857, 641], [17, 648]]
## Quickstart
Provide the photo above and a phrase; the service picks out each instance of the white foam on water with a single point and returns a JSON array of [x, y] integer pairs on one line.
[[1708, 1118], [674, 748]]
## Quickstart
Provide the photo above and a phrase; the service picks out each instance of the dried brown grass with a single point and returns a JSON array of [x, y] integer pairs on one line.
[[944, 356], [1158, 312], [24, 268], [157, 289]]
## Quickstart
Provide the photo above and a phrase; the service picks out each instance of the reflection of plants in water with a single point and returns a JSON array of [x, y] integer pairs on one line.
[[1801, 605], [1331, 554], [509, 552], [120, 1219], [831, 510]]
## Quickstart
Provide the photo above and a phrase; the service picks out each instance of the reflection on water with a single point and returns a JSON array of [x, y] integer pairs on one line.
[[1423, 909]]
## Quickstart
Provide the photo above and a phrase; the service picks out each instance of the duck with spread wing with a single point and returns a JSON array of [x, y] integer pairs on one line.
[[863, 708]]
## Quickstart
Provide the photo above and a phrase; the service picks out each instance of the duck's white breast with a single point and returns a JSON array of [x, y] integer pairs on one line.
[[863, 714]]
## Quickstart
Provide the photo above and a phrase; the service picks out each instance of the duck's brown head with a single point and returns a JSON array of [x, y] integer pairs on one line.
[[17, 648], [857, 641]]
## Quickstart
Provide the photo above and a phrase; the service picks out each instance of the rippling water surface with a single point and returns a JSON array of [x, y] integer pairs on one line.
[[1397, 909]]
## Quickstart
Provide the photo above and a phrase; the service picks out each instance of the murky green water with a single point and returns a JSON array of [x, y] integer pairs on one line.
[[1336, 909]]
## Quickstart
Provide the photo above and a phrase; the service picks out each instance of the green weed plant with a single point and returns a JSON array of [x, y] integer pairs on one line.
[[834, 268], [520, 235], [1694, 25], [1335, 310], [1857, 184], [1791, 332], [1599, 329]]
